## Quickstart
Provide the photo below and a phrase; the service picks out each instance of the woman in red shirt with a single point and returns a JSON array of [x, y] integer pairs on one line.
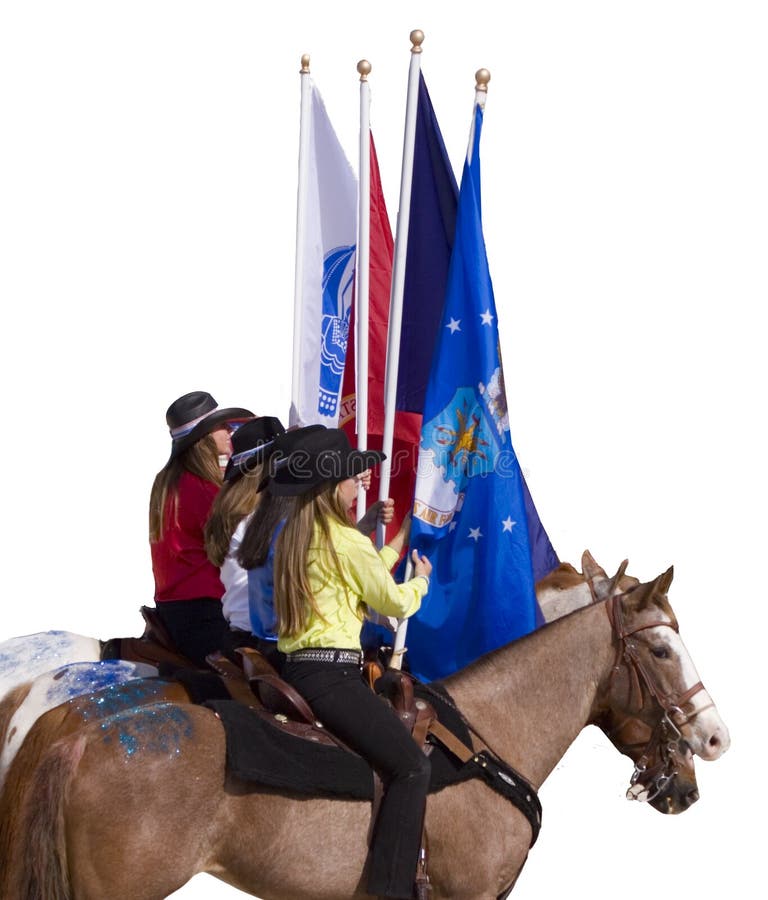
[[188, 589]]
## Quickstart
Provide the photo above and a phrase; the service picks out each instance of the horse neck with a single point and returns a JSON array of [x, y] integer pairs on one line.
[[531, 699]]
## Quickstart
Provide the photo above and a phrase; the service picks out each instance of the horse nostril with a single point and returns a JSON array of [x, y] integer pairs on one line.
[[714, 742]]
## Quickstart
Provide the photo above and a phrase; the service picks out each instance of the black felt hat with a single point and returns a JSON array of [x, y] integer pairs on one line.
[[196, 414], [252, 444], [310, 456]]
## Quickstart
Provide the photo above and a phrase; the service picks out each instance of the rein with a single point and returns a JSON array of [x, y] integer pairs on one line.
[[671, 704], [648, 781]]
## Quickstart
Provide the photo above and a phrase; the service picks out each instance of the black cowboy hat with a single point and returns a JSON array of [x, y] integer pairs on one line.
[[252, 444], [196, 414], [310, 456]]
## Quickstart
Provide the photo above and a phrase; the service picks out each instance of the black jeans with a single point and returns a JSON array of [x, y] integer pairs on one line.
[[347, 707], [268, 649], [197, 628]]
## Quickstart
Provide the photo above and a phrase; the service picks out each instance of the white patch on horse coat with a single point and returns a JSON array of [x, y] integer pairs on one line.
[[58, 686], [24, 658]]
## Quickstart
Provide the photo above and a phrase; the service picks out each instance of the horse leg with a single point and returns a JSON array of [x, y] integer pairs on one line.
[[470, 858]]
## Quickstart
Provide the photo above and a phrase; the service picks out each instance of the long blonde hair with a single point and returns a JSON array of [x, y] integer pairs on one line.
[[201, 459], [235, 501], [293, 597]]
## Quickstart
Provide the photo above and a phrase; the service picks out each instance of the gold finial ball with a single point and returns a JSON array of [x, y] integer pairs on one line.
[[364, 69], [482, 77], [417, 39], [305, 62]]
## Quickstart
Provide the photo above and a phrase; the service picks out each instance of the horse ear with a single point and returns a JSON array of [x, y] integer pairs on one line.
[[589, 568], [608, 587], [662, 583], [619, 575]]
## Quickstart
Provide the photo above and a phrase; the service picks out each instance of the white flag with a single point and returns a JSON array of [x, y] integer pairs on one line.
[[325, 248]]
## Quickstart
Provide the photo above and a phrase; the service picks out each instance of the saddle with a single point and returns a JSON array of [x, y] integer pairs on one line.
[[154, 647]]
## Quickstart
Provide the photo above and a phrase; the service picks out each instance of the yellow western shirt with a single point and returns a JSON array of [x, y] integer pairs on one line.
[[365, 581]]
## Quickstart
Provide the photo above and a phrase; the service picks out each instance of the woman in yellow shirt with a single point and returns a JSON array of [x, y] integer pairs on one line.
[[326, 575]]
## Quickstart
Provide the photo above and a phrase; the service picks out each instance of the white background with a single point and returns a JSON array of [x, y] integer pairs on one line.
[[148, 162]]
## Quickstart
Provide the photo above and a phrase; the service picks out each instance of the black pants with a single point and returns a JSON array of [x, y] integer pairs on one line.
[[268, 649], [197, 628], [347, 707]]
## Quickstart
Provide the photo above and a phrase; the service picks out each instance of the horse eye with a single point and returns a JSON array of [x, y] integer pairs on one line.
[[660, 652]]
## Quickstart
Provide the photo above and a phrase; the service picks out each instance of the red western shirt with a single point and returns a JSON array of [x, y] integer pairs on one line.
[[179, 563]]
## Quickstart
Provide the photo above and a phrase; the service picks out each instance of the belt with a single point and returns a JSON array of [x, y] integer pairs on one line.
[[326, 654]]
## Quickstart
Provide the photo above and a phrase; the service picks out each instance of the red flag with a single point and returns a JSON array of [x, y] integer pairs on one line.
[[405, 448]]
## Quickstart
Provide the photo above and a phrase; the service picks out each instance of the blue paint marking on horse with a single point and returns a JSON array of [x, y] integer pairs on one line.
[[25, 657], [161, 729], [28, 647], [118, 698], [81, 678]]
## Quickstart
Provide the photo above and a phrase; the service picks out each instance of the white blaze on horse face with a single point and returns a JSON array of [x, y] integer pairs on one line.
[[24, 658], [704, 730], [58, 686]]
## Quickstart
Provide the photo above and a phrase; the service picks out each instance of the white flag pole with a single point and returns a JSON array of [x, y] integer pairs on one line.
[[482, 77], [396, 308], [301, 205], [362, 289], [398, 274]]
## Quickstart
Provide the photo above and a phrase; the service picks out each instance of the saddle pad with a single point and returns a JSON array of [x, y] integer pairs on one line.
[[262, 754]]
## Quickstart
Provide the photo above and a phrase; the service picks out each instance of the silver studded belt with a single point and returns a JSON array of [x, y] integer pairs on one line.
[[326, 654]]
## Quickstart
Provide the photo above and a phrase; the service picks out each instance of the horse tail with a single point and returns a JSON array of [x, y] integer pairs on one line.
[[32, 842]]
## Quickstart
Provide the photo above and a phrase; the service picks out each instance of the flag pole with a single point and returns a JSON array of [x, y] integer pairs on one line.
[[301, 204], [362, 290], [398, 273], [482, 77]]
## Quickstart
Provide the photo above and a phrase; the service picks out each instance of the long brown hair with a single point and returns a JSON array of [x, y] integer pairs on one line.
[[270, 512], [235, 501], [201, 459], [294, 600]]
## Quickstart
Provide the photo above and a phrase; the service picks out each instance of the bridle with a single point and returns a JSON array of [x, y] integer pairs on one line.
[[647, 783], [672, 704]]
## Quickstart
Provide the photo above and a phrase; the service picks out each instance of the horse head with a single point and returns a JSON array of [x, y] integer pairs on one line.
[[653, 677]]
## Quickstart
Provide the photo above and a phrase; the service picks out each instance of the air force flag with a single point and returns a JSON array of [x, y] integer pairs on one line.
[[469, 513], [326, 247]]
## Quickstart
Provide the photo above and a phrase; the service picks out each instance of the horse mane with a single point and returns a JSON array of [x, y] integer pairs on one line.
[[564, 576]]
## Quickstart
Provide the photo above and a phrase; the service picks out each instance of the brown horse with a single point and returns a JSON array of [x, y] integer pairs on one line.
[[137, 804], [664, 773]]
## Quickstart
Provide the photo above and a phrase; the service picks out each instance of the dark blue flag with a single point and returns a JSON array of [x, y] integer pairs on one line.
[[469, 509], [432, 221]]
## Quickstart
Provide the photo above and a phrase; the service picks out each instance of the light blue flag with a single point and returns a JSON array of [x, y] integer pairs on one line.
[[469, 510]]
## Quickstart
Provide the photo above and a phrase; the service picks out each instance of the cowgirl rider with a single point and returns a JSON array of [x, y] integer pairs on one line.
[[325, 575]]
